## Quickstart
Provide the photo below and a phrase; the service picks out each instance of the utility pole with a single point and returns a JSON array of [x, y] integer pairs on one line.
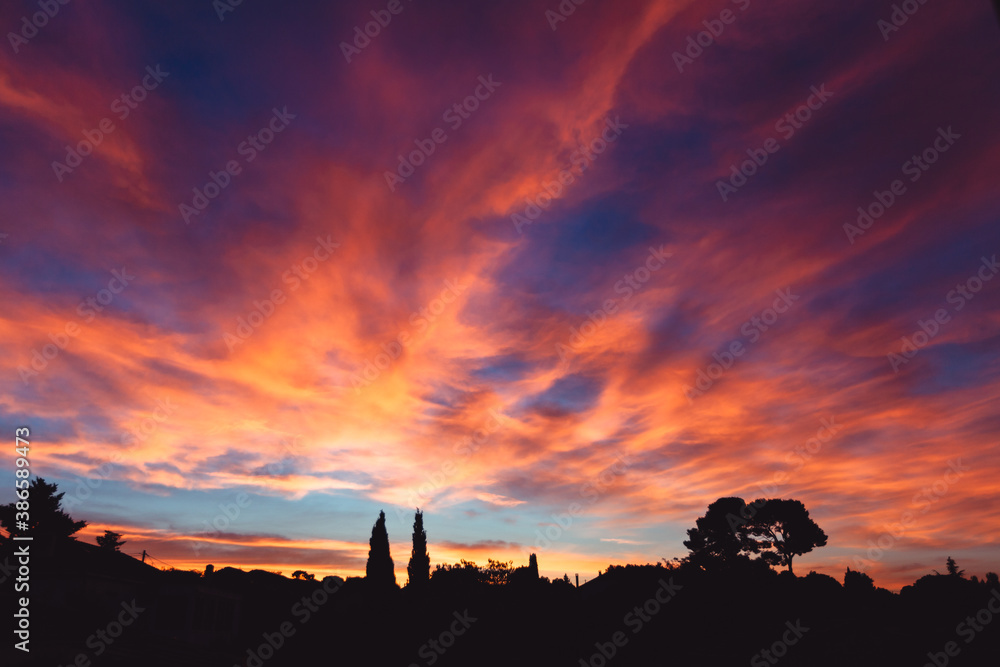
[[578, 580], [143, 555]]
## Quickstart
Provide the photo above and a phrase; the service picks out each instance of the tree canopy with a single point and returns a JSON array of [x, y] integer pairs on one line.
[[47, 520], [731, 530], [785, 526], [111, 541], [717, 538]]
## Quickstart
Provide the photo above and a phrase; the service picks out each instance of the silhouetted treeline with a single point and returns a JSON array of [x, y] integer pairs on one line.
[[725, 604]]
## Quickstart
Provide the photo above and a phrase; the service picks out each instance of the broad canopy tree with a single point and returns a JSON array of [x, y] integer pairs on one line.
[[785, 526], [731, 530], [716, 538]]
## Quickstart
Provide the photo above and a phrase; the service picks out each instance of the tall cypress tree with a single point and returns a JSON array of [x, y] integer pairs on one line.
[[419, 569], [380, 569]]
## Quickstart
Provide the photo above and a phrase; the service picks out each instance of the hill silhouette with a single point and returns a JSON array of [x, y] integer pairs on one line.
[[725, 604]]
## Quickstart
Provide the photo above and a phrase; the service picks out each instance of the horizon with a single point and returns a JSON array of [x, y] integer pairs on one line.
[[399, 565], [499, 260]]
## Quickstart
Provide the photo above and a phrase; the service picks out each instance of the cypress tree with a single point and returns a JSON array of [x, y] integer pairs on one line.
[[380, 569], [419, 569]]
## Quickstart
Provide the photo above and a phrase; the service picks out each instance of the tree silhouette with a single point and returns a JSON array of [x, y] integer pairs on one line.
[[419, 567], [497, 572], [786, 527], [380, 569], [731, 530], [855, 580], [562, 583], [720, 538], [47, 521], [526, 575], [111, 541], [302, 574], [952, 567], [464, 574]]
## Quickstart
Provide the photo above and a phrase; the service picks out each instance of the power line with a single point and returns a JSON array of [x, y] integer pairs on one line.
[[151, 557], [159, 561]]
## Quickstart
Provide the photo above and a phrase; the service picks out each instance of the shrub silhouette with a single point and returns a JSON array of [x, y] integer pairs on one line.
[[497, 573], [857, 581]]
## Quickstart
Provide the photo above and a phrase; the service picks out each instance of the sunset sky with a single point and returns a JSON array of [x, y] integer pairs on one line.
[[249, 286]]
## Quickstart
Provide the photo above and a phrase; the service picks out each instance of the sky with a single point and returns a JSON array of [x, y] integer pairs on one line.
[[559, 275]]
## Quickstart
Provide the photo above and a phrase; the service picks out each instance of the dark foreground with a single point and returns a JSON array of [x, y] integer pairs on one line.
[[91, 608]]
